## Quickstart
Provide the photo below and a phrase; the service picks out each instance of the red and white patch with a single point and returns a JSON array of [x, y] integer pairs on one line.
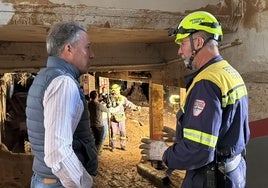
[[199, 106]]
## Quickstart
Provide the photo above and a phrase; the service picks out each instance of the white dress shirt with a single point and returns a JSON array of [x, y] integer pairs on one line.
[[62, 111]]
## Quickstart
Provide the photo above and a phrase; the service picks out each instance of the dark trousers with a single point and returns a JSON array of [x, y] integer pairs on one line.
[[98, 135], [233, 179]]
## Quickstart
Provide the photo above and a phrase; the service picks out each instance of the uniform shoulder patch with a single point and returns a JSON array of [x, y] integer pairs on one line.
[[199, 106]]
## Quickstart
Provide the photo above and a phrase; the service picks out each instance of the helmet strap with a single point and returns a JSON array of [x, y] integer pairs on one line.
[[194, 51]]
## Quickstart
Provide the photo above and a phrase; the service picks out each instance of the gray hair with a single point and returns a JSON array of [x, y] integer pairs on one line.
[[207, 36], [61, 34]]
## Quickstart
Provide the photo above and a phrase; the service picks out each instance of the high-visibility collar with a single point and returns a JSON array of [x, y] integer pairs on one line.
[[225, 77]]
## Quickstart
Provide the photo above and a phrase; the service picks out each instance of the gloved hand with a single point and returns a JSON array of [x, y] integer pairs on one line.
[[152, 149], [169, 134]]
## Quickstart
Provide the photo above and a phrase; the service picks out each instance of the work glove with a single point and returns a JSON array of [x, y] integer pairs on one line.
[[152, 149], [169, 134]]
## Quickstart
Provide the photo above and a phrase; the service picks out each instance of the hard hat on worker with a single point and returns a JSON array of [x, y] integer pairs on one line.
[[115, 88], [198, 21]]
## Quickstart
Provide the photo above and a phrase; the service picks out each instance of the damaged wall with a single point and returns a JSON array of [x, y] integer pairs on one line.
[[132, 36], [251, 57]]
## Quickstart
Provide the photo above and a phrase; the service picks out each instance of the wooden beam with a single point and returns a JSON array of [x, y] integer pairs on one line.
[[156, 98]]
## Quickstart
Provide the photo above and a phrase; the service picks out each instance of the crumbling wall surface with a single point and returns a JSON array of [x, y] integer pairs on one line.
[[258, 97], [251, 58], [15, 169]]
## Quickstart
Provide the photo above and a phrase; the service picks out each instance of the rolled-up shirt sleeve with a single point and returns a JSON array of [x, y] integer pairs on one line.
[[62, 111]]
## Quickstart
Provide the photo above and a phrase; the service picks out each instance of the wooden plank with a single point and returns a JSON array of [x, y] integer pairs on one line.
[[156, 98]]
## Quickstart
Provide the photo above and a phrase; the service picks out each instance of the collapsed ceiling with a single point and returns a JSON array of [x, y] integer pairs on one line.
[[26, 22], [124, 39]]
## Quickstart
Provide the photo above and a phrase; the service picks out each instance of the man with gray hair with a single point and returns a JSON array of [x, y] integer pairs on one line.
[[212, 129], [57, 115]]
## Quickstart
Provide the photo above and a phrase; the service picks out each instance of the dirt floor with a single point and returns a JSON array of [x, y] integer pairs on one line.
[[119, 168], [116, 169]]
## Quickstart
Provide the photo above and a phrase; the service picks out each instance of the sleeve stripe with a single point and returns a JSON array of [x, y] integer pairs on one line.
[[200, 137], [234, 95]]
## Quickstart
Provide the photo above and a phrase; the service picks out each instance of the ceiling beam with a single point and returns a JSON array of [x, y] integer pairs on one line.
[[30, 22]]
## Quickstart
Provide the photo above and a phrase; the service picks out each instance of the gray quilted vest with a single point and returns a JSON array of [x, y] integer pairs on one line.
[[83, 140]]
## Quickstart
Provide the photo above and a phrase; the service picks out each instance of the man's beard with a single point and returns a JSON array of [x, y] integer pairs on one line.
[[188, 62]]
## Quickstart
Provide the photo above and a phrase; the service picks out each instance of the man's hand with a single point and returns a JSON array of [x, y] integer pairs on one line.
[[145, 146], [169, 134], [152, 149]]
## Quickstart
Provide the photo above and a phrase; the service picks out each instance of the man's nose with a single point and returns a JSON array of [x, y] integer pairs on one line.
[[179, 51], [91, 54]]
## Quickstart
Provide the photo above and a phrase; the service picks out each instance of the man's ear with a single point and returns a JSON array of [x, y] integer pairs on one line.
[[67, 52], [200, 42], [67, 48]]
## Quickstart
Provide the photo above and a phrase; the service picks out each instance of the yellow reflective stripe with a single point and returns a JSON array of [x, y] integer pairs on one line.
[[234, 95], [226, 78], [200, 137]]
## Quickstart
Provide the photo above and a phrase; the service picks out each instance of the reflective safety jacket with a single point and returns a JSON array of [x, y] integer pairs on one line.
[[119, 103], [213, 119]]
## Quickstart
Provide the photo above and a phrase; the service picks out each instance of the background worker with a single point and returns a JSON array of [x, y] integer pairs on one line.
[[118, 117], [105, 121], [57, 114], [105, 100], [212, 130], [96, 122]]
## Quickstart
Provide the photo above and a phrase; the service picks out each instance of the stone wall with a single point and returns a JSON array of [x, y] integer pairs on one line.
[[258, 100]]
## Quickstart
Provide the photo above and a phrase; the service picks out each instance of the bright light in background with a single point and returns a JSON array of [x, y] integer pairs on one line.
[[174, 99]]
